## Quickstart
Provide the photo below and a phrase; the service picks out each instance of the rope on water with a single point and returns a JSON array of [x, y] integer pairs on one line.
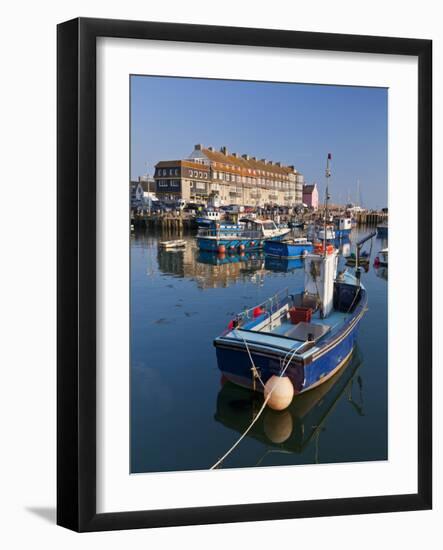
[[262, 408]]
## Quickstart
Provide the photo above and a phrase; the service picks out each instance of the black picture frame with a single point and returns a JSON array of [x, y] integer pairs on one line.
[[76, 279]]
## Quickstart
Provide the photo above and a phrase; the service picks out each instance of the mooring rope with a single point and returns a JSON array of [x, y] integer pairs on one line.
[[254, 368], [262, 408]]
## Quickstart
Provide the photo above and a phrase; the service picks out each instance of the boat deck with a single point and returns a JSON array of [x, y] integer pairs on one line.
[[280, 333]]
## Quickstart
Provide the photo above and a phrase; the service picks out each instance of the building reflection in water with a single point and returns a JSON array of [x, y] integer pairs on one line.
[[294, 428]]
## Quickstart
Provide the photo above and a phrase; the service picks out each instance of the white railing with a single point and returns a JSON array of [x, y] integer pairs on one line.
[[269, 307]]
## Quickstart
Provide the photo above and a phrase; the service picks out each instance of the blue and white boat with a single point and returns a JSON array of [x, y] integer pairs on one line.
[[292, 248], [250, 234], [307, 336], [207, 218]]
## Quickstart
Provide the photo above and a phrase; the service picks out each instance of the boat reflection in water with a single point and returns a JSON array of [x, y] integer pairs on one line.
[[213, 258], [282, 265], [290, 430]]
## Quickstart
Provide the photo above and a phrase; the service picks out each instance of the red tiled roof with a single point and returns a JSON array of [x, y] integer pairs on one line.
[[245, 164]]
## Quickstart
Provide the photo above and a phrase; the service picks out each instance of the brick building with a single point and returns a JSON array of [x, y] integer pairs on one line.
[[229, 178]]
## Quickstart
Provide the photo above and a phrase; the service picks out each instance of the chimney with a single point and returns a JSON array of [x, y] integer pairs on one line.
[[278, 164], [198, 147], [291, 167], [254, 158], [211, 148], [246, 157], [224, 150], [235, 155], [270, 162], [263, 160]]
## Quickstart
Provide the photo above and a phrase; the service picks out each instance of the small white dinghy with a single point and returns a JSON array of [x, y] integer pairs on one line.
[[178, 243]]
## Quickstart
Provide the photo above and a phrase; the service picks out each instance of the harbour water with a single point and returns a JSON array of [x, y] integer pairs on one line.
[[184, 415]]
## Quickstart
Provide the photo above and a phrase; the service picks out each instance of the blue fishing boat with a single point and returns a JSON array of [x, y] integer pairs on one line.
[[292, 248], [249, 235], [207, 218], [306, 337], [303, 338]]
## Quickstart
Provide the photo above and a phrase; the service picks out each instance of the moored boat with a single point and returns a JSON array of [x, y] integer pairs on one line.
[[249, 235], [310, 334], [177, 243], [292, 248], [208, 217]]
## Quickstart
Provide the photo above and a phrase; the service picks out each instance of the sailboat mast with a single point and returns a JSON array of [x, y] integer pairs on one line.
[[328, 175]]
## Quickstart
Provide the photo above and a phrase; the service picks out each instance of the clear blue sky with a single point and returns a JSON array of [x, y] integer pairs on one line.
[[292, 123]]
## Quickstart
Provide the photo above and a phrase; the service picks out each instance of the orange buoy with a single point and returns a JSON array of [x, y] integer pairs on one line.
[[221, 249], [279, 391], [241, 247]]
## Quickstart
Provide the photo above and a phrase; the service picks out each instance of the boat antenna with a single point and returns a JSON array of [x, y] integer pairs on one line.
[[328, 175]]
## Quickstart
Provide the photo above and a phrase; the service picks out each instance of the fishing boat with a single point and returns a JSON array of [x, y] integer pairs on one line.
[[250, 234], [305, 337], [292, 248], [208, 217], [177, 243]]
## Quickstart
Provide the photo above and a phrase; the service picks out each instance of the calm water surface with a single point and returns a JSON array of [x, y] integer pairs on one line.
[[184, 416]]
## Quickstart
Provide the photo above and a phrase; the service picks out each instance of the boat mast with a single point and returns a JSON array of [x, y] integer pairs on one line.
[[328, 175]]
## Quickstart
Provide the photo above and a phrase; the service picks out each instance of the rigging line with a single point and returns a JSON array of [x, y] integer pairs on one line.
[[262, 408]]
